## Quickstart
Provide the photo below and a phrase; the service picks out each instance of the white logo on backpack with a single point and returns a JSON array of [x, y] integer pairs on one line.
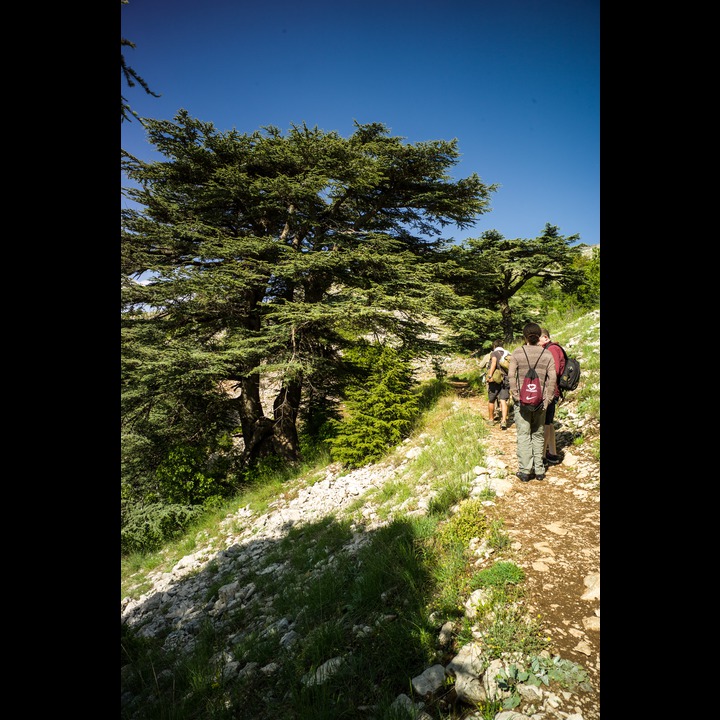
[[530, 391]]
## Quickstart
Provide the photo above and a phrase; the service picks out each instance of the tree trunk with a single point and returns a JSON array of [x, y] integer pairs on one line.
[[260, 443], [257, 430], [250, 407], [285, 411], [507, 323], [265, 436]]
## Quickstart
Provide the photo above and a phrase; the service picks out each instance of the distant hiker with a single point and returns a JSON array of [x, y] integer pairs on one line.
[[525, 362], [550, 449], [499, 391]]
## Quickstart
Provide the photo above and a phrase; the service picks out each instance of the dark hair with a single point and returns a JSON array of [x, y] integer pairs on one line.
[[497, 344], [532, 332], [545, 331]]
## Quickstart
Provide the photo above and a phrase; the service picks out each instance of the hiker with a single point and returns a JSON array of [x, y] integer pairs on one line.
[[499, 391], [529, 422], [550, 448]]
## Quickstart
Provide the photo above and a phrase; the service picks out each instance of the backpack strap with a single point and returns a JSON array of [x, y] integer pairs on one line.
[[517, 369], [538, 358], [536, 362]]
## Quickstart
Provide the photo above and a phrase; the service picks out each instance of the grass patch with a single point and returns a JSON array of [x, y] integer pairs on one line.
[[342, 588]]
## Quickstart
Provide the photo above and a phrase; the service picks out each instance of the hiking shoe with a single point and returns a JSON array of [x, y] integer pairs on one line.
[[551, 459], [540, 477], [523, 476], [503, 426]]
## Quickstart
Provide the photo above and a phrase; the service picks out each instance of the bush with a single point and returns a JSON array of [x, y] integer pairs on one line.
[[467, 523], [182, 477], [381, 407], [147, 528]]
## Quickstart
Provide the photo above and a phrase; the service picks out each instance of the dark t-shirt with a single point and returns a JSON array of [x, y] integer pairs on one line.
[[498, 354]]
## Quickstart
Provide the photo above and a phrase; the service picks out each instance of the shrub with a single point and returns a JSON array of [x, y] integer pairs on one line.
[[146, 528], [182, 479], [468, 522], [381, 407]]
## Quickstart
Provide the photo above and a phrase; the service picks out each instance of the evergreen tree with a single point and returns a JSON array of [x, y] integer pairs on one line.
[[132, 78], [380, 405], [490, 271], [265, 257], [588, 292]]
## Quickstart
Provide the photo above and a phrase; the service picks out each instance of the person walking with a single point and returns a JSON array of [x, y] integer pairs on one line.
[[498, 391], [530, 423], [550, 448]]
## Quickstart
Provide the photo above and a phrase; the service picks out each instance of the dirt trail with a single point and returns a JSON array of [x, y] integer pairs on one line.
[[555, 528]]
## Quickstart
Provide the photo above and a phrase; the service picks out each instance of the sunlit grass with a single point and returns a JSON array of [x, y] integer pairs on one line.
[[369, 604]]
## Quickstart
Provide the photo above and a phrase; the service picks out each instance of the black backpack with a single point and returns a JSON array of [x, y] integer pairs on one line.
[[531, 390], [571, 374]]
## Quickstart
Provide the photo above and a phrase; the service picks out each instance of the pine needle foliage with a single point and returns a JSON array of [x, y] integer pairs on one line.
[[257, 260], [490, 271], [381, 406]]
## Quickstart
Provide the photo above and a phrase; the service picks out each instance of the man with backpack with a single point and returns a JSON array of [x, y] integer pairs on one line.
[[532, 379], [550, 448], [497, 383]]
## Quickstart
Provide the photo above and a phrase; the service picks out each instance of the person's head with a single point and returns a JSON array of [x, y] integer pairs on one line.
[[544, 337], [531, 333], [497, 344]]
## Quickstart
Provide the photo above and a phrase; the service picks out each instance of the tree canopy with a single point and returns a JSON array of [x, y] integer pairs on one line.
[[262, 256], [490, 270], [131, 77]]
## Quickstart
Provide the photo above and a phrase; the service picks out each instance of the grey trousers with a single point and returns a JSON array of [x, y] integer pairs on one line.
[[530, 428]]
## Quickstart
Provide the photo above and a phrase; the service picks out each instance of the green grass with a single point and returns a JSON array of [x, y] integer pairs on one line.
[[378, 606]]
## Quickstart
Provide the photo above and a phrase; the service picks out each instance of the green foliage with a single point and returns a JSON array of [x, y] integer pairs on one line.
[[381, 406], [497, 539], [587, 293], [491, 270], [467, 523], [509, 630], [448, 550], [540, 670], [498, 575], [181, 479], [475, 380], [454, 453], [450, 493], [370, 605], [318, 416], [271, 470], [566, 673], [366, 609], [507, 681], [146, 528], [331, 240], [264, 257], [167, 405], [489, 709], [449, 564]]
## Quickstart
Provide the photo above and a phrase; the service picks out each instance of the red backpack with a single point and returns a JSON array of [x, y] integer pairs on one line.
[[531, 390]]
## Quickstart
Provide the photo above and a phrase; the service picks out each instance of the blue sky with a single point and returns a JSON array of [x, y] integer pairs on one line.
[[517, 82]]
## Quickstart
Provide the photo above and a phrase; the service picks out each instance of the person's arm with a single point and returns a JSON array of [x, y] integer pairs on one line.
[[550, 384], [512, 378], [559, 364], [492, 366]]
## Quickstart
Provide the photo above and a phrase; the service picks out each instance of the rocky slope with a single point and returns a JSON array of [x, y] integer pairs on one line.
[[554, 526]]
